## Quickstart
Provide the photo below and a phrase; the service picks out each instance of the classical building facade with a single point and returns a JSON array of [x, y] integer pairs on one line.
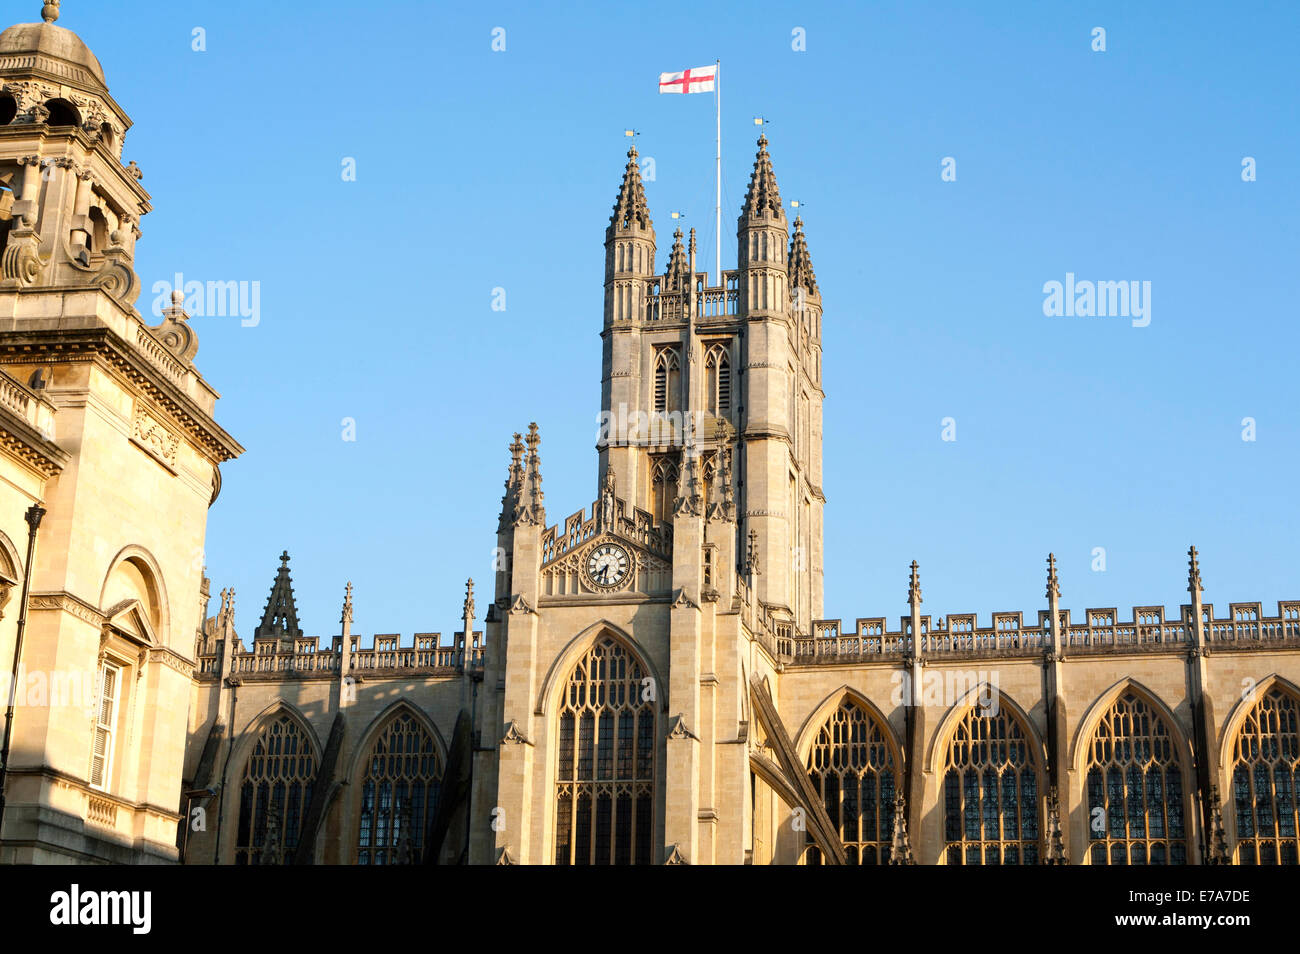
[[107, 425], [650, 680]]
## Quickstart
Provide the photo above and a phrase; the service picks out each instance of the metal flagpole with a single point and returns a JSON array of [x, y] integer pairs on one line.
[[717, 178]]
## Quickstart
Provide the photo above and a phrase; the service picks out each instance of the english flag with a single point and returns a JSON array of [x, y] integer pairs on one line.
[[698, 80]]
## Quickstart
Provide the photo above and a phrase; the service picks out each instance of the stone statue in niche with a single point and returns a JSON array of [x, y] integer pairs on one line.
[[607, 505]]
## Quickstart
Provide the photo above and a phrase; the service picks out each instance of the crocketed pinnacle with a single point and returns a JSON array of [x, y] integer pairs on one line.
[[677, 275], [762, 196], [631, 208], [801, 270], [514, 481], [280, 618], [530, 509]]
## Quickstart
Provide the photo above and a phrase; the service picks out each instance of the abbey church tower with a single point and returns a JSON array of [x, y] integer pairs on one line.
[[729, 373]]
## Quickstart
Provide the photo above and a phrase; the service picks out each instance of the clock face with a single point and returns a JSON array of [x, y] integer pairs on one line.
[[608, 564]]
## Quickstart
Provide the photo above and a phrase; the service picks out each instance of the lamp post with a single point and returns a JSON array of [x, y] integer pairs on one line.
[[33, 516]]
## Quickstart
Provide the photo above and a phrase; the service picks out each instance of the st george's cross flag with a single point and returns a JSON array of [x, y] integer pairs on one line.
[[697, 80]]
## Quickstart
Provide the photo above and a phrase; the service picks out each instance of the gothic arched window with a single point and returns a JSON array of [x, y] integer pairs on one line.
[[668, 378], [604, 778], [717, 380], [663, 488], [403, 771], [851, 765], [275, 793], [990, 790], [1135, 788], [1265, 778]]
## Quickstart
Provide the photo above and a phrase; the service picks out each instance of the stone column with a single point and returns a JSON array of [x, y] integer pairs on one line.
[[1205, 752], [516, 736], [1057, 768], [682, 769]]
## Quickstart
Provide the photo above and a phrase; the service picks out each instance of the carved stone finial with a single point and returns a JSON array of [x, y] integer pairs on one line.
[[516, 457], [175, 332], [347, 604], [676, 275], [762, 197], [50, 12], [469, 601], [630, 209], [800, 262], [1053, 584], [514, 479], [530, 508], [1193, 572], [914, 585]]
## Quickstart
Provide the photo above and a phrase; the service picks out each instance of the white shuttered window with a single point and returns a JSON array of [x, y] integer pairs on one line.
[[101, 759]]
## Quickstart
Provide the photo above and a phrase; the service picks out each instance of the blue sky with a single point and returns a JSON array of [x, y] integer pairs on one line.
[[479, 169]]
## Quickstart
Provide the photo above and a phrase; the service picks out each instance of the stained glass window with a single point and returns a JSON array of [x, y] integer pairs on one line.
[[1265, 777], [991, 810], [403, 772], [852, 767], [1135, 788], [275, 793], [604, 792]]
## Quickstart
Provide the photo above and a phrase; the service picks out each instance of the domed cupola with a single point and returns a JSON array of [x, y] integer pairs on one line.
[[48, 76], [57, 54], [69, 209]]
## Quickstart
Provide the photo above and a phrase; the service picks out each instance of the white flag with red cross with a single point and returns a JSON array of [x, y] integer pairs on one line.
[[697, 80]]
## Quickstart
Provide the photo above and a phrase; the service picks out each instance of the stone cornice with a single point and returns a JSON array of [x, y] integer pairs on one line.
[[772, 432], [87, 344], [46, 771], [121, 176], [173, 660], [68, 603], [30, 446]]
